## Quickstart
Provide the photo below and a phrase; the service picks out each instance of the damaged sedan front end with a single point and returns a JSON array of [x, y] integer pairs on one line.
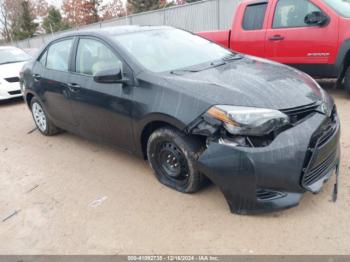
[[265, 160]]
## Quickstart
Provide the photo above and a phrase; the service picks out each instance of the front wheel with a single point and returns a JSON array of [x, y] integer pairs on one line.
[[172, 155], [347, 80], [44, 125]]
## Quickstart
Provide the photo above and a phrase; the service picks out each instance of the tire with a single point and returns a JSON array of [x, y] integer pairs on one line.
[[347, 80], [172, 155], [42, 122]]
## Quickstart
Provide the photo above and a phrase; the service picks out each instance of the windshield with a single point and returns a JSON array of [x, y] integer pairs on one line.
[[340, 6], [12, 55], [170, 49]]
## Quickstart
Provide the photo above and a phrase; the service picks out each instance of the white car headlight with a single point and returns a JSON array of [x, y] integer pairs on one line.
[[249, 121]]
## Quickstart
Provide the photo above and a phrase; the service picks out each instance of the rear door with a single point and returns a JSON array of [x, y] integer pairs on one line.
[[103, 110], [51, 74], [249, 29], [290, 40]]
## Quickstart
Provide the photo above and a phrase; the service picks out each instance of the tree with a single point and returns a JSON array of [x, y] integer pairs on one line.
[[53, 22], [137, 6], [81, 12], [24, 27], [40, 8], [112, 10], [9, 13], [4, 20]]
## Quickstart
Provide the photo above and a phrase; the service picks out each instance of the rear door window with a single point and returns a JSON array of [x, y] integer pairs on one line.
[[254, 16], [58, 55]]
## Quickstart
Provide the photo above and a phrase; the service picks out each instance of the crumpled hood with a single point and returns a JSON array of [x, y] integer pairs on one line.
[[11, 70], [250, 81]]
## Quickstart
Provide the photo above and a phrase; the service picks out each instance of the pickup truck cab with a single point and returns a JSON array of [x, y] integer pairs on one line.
[[310, 35]]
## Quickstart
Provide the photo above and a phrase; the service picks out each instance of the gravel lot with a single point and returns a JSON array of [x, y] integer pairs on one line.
[[66, 195]]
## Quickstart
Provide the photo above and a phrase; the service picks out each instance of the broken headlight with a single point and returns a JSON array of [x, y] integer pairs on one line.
[[248, 121]]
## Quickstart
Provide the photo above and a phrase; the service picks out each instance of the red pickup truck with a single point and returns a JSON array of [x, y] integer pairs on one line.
[[311, 35]]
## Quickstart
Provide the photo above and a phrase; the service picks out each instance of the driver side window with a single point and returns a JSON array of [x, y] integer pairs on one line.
[[291, 13], [93, 56]]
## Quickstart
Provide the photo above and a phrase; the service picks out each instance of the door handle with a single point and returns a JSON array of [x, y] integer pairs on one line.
[[276, 38], [73, 87], [36, 77]]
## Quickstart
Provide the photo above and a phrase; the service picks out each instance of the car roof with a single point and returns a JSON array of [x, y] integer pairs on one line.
[[115, 30]]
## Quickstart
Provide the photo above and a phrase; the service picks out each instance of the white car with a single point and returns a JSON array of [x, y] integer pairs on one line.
[[12, 60]]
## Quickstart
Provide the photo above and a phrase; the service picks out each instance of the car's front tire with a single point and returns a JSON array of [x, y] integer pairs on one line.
[[172, 155], [42, 122]]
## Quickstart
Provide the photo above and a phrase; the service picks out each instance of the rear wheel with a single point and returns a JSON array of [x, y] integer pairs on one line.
[[44, 125], [347, 80], [172, 155]]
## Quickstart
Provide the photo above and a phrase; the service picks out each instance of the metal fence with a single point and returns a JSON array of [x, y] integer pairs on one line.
[[199, 16]]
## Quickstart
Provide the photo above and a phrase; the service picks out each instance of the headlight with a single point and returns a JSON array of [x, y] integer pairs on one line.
[[248, 121]]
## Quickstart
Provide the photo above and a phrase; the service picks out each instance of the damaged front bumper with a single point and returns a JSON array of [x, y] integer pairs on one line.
[[264, 179]]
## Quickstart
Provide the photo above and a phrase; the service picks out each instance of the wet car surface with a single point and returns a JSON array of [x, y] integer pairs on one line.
[[263, 132]]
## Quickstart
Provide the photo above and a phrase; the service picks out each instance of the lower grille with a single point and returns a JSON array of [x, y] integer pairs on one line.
[[318, 172], [267, 194], [15, 92], [12, 79], [322, 152]]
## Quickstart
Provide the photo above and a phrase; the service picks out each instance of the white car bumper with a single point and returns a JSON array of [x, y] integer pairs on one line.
[[9, 89]]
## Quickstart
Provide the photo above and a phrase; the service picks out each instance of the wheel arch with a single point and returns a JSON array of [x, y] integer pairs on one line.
[[28, 97], [343, 58], [152, 123]]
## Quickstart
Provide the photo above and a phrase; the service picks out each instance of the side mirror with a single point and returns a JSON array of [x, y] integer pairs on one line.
[[316, 18], [110, 76]]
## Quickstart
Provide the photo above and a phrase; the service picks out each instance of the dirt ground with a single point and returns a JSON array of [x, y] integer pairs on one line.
[[66, 195]]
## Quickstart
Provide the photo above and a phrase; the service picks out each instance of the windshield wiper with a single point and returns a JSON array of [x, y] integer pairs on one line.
[[195, 70], [177, 71], [10, 62]]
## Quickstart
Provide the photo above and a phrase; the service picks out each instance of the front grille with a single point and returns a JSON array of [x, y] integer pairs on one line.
[[15, 92], [322, 151], [298, 113], [267, 194], [318, 171], [12, 79]]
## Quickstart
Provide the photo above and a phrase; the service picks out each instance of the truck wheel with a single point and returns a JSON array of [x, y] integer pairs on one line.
[[347, 80], [44, 125], [172, 155]]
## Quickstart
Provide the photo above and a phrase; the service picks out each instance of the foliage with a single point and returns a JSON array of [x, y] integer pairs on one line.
[[137, 6], [24, 27], [112, 10], [53, 22], [81, 12]]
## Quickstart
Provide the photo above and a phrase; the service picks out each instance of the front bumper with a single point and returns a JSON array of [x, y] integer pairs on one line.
[[271, 178], [9, 90]]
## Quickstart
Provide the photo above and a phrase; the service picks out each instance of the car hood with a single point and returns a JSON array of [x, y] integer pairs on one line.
[[252, 82], [11, 70]]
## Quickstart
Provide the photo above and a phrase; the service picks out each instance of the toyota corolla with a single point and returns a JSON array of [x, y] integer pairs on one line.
[[264, 133]]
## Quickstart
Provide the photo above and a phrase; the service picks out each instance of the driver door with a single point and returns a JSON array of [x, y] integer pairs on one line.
[[290, 40]]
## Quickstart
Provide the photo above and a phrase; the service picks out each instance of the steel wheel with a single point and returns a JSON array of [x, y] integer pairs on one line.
[[39, 117], [173, 156], [172, 162]]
